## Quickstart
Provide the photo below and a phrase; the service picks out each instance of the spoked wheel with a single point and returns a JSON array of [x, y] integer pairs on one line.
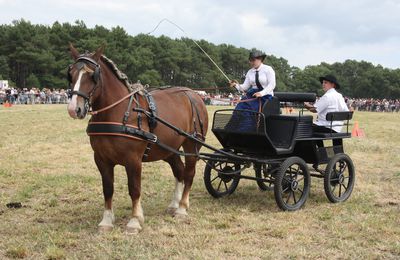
[[292, 184], [339, 178], [218, 180], [263, 171]]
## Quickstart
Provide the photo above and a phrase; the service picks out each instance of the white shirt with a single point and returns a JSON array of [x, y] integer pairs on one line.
[[331, 101], [266, 76]]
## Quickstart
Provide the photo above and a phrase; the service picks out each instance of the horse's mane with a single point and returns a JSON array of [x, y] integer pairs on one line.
[[125, 80], [118, 73]]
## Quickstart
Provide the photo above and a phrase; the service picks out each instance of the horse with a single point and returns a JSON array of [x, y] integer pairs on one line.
[[97, 83]]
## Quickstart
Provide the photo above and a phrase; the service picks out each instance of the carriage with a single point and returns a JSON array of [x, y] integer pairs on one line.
[[280, 149]]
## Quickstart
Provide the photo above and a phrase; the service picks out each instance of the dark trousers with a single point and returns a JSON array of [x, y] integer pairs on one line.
[[243, 121], [252, 104], [323, 129]]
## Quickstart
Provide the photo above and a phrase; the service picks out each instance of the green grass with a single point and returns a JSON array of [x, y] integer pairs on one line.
[[46, 163]]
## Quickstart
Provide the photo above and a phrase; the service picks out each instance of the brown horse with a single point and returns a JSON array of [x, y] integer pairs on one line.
[[96, 82]]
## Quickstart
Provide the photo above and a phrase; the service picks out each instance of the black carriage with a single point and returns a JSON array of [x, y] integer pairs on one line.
[[283, 150]]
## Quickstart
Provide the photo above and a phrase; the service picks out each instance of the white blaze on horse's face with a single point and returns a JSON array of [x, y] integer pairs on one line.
[[73, 106]]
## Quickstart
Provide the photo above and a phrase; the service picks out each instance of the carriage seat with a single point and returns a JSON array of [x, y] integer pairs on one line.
[[271, 107], [330, 135], [336, 116], [283, 129], [277, 127]]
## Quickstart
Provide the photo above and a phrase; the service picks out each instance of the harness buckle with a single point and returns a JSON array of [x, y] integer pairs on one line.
[[154, 140], [126, 116]]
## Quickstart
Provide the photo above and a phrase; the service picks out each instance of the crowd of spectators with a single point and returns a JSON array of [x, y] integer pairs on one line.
[[61, 96], [34, 96], [374, 105]]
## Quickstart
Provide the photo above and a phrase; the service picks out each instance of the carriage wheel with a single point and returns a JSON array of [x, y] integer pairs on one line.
[[292, 184], [339, 178], [216, 179], [263, 172]]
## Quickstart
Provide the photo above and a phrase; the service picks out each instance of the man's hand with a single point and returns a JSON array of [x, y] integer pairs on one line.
[[233, 83], [257, 94], [310, 107]]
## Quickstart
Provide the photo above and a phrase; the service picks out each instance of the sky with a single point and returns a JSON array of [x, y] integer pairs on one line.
[[305, 32]]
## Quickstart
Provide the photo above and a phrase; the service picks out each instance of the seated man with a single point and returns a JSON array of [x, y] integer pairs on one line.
[[331, 101]]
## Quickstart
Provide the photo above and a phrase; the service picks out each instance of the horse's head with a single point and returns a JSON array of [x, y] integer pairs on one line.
[[84, 78]]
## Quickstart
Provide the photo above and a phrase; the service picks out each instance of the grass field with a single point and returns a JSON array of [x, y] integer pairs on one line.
[[46, 164]]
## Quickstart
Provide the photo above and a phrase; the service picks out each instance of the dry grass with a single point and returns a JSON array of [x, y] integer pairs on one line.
[[46, 164]]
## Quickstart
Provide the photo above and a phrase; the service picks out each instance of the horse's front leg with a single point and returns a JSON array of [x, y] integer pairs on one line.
[[134, 172], [107, 175]]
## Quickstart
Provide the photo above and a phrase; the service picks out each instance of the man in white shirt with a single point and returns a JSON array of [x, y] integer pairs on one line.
[[331, 101]]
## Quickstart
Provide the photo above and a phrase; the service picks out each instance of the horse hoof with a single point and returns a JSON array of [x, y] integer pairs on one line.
[[181, 217], [107, 223], [132, 231], [133, 227], [105, 229], [170, 211], [181, 214]]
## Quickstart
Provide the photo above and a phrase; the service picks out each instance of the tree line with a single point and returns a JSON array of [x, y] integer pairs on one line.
[[37, 56]]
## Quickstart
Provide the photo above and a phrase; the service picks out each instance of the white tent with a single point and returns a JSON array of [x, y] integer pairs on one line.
[[3, 84], [201, 92]]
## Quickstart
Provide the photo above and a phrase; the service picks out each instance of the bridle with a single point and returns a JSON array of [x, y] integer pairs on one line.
[[81, 61]]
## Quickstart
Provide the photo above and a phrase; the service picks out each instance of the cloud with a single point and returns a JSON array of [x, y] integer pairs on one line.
[[304, 32]]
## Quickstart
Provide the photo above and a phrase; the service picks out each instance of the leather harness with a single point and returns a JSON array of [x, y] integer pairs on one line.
[[119, 129], [124, 129]]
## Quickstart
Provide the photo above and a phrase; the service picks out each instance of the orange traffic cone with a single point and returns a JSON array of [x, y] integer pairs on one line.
[[357, 132], [360, 133], [6, 104]]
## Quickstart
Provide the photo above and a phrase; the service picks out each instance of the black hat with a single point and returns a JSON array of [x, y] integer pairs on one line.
[[257, 54], [331, 79]]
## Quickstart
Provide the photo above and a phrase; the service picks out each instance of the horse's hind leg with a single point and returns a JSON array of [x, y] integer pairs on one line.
[[134, 172], [107, 175], [177, 167]]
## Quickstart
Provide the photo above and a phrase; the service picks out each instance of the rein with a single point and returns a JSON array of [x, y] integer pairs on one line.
[[114, 104], [247, 100]]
